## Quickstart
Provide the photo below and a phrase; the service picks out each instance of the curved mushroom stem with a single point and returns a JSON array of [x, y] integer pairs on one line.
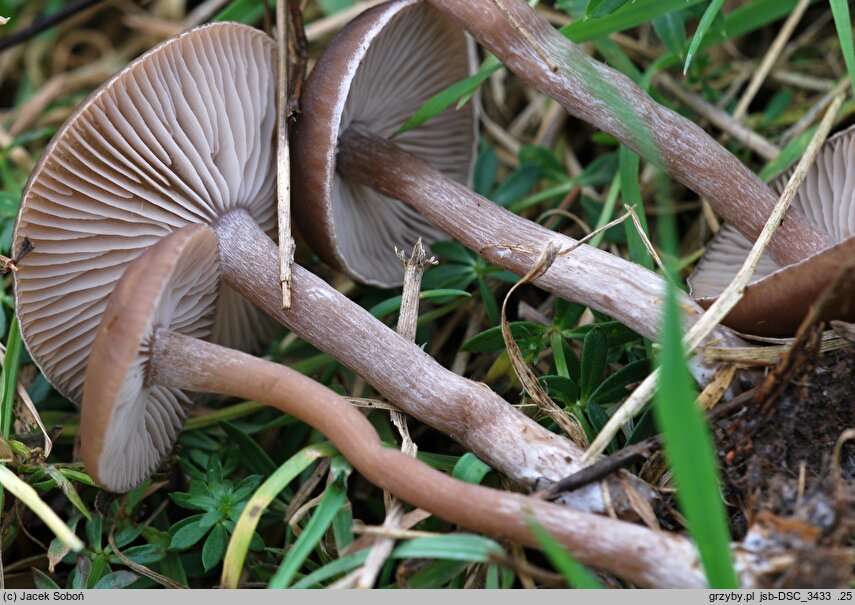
[[469, 412], [626, 291], [640, 555], [543, 58]]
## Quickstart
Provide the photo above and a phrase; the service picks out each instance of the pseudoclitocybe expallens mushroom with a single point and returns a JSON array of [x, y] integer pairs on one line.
[[541, 56], [181, 136], [373, 75], [142, 361], [778, 297]]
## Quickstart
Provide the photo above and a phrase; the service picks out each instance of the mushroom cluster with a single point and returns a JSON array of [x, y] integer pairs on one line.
[[142, 362], [153, 278], [182, 136]]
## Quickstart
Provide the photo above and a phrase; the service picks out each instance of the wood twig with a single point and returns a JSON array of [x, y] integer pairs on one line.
[[283, 160], [414, 268]]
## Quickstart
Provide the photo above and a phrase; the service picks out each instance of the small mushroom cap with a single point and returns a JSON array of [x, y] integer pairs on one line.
[[127, 426], [777, 299], [378, 71], [180, 136]]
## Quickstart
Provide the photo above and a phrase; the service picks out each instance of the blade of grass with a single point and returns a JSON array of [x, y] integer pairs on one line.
[[630, 15], [11, 364], [631, 193], [333, 499], [703, 26], [258, 503], [28, 496], [452, 547], [840, 11], [576, 574], [689, 448]]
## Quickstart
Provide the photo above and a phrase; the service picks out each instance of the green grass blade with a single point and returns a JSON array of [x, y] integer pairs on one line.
[[628, 163], [576, 574], [258, 503], [28, 496], [630, 15], [333, 499], [451, 547], [840, 10], [451, 95], [332, 569], [11, 363], [703, 26], [689, 448]]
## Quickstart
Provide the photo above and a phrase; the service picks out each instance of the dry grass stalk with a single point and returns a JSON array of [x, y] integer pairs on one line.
[[731, 295], [283, 162], [408, 318]]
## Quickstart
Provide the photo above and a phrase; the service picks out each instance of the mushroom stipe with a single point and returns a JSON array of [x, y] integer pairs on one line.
[[350, 176], [181, 137], [135, 356]]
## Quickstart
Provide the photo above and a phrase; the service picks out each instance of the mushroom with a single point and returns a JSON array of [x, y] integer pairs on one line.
[[545, 59], [778, 297], [376, 72], [183, 136], [142, 361]]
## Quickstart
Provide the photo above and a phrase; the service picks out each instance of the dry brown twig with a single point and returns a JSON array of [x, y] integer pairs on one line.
[[283, 161], [414, 268]]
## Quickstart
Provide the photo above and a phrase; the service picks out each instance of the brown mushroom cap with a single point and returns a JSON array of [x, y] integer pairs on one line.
[[777, 298], [180, 136], [127, 426], [378, 71]]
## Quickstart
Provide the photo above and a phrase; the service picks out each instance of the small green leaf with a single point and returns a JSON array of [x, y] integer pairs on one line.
[[454, 252], [42, 580], [602, 8], [470, 469], [486, 171], [594, 352], [561, 388], [187, 532], [489, 300], [614, 386], [567, 314], [68, 489], [252, 454], [215, 547], [117, 579], [516, 184], [598, 418], [491, 339], [671, 29]]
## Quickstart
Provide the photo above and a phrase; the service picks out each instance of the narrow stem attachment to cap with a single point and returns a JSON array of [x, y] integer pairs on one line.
[[614, 546], [626, 291], [613, 103]]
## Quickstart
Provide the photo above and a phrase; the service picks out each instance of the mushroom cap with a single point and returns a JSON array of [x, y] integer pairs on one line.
[[378, 71], [180, 136], [777, 298], [127, 426]]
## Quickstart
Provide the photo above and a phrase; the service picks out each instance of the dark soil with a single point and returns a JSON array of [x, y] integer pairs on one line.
[[787, 492]]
